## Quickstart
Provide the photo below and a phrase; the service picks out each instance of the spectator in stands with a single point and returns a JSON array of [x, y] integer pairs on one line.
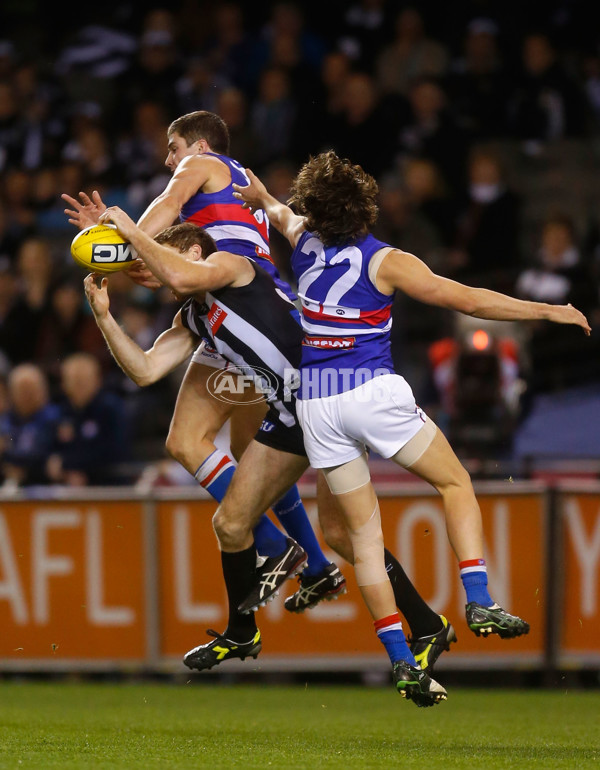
[[8, 240], [429, 200], [232, 106], [318, 120], [479, 85], [560, 276], [140, 151], [41, 107], [432, 132], [362, 32], [232, 53], [199, 87], [362, 133], [10, 332], [90, 61], [11, 128], [67, 328], [91, 148], [487, 243], [92, 435], [287, 22], [546, 103], [273, 115], [24, 301], [27, 429], [16, 192], [410, 56], [155, 71]]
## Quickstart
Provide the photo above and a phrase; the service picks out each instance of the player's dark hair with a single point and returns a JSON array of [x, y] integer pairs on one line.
[[202, 125], [184, 236], [337, 199]]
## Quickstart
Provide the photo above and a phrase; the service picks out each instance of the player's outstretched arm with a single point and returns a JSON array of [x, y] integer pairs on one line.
[[409, 274], [184, 275], [256, 196], [171, 348]]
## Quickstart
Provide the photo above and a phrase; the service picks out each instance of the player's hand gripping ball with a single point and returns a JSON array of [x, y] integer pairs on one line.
[[101, 249]]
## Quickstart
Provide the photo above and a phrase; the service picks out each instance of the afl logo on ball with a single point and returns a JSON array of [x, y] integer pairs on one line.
[[111, 252]]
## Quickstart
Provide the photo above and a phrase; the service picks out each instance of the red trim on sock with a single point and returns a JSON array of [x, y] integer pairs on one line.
[[225, 461], [471, 563], [387, 621]]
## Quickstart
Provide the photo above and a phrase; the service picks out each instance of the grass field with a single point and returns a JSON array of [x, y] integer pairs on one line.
[[201, 725]]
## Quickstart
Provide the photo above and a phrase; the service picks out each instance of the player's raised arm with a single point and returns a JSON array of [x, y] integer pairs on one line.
[[256, 196], [142, 367], [400, 270], [189, 176]]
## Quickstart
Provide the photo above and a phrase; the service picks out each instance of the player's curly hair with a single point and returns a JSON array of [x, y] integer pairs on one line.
[[337, 199], [183, 236], [202, 125]]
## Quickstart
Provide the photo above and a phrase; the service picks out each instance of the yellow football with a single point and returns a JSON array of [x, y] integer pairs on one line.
[[101, 249]]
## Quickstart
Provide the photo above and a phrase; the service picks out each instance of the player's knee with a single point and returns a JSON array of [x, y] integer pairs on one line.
[[464, 477], [337, 538], [189, 448], [459, 478], [229, 530]]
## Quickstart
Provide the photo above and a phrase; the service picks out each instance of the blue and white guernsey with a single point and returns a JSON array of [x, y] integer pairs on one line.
[[346, 320]]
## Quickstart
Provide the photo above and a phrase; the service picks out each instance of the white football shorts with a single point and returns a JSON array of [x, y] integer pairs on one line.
[[380, 414], [206, 354]]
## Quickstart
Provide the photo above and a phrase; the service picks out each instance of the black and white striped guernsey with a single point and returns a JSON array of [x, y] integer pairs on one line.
[[257, 328]]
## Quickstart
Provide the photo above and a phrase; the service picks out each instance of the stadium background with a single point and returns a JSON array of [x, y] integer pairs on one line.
[[482, 128]]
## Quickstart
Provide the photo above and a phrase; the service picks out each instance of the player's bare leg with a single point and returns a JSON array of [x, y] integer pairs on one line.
[[361, 513], [262, 476], [440, 466], [431, 633], [244, 424], [197, 419]]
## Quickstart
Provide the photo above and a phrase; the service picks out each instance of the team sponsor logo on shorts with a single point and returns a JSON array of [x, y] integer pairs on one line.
[[329, 343], [246, 385], [210, 351], [216, 316]]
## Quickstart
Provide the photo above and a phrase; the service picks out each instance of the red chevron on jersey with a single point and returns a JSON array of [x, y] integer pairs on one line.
[[228, 213], [370, 317]]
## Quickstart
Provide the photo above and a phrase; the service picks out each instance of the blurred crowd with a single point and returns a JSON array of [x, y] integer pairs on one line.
[[482, 128]]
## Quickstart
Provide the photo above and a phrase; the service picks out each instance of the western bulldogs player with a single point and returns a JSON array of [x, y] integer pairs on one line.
[[201, 192], [350, 397], [256, 326]]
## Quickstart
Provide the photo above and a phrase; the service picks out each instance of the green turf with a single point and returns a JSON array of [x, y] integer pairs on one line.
[[207, 726]]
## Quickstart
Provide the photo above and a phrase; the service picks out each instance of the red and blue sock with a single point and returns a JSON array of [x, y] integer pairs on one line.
[[215, 475], [473, 573], [389, 630]]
